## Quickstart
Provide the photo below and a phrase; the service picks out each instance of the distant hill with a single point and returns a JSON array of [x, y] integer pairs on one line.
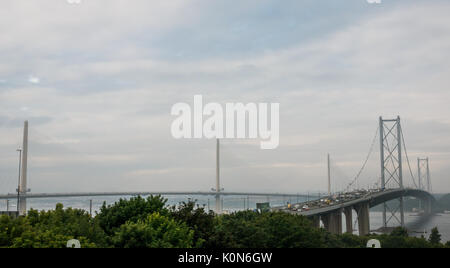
[[409, 204], [443, 203]]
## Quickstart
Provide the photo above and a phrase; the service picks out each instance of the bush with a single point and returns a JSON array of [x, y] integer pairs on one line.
[[197, 219], [155, 232], [112, 217], [272, 230], [435, 237], [140, 222], [51, 229]]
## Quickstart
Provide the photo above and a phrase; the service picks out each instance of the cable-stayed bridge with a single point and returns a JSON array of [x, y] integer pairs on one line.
[[148, 193]]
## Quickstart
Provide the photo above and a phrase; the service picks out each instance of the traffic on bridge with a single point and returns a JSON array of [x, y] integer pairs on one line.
[[329, 209], [327, 201]]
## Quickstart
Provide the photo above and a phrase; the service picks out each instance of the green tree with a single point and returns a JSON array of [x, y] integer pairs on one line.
[[399, 232], [70, 222], [197, 219], [156, 231], [11, 229], [111, 217], [435, 237], [353, 241], [51, 229], [399, 238], [47, 239], [273, 229]]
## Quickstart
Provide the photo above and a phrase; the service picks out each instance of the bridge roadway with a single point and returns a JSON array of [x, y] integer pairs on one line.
[[89, 194], [329, 210]]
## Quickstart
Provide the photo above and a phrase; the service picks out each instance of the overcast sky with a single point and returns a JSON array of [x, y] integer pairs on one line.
[[97, 81]]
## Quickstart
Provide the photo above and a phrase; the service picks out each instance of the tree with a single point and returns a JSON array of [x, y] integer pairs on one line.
[[111, 217], [353, 241], [51, 229], [156, 231], [272, 230], [11, 229], [47, 239], [399, 232], [435, 237], [399, 238], [75, 223], [197, 219]]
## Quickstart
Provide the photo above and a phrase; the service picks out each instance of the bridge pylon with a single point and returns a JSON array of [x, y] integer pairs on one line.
[[391, 166], [23, 189], [423, 172]]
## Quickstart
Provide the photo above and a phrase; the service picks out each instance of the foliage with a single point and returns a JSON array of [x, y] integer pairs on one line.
[[155, 232], [197, 219], [271, 230], [47, 239], [399, 232], [399, 238], [11, 229], [435, 237], [68, 222], [139, 222], [111, 217], [50, 229]]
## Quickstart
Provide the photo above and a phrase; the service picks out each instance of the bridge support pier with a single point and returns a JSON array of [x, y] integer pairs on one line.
[[363, 219], [328, 222], [427, 207], [338, 222], [333, 222], [348, 212], [316, 221]]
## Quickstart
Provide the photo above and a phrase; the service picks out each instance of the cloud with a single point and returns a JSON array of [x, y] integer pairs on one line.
[[102, 118], [34, 80]]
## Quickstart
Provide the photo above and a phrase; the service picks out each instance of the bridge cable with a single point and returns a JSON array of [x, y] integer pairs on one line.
[[365, 162], [407, 158]]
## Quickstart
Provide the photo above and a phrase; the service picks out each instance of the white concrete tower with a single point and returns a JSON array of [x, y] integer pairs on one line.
[[23, 179], [218, 200], [329, 176]]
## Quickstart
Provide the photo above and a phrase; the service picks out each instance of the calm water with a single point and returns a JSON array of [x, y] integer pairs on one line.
[[235, 203], [420, 225]]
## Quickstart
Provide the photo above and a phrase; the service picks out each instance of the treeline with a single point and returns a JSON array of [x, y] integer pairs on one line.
[[410, 204], [443, 203], [150, 223]]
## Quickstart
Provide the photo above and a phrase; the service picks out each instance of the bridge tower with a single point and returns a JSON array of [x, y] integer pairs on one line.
[[219, 207], [23, 190], [423, 172], [391, 165], [329, 175]]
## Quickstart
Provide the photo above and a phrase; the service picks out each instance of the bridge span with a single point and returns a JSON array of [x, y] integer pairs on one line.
[[329, 210], [143, 193]]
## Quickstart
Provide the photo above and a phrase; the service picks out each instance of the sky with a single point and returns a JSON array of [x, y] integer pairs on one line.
[[97, 81]]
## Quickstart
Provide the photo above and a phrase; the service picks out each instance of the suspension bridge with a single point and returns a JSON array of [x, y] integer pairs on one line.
[[328, 209]]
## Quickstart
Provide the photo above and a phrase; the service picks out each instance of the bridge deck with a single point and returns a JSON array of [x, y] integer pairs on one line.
[[89, 194], [319, 207]]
